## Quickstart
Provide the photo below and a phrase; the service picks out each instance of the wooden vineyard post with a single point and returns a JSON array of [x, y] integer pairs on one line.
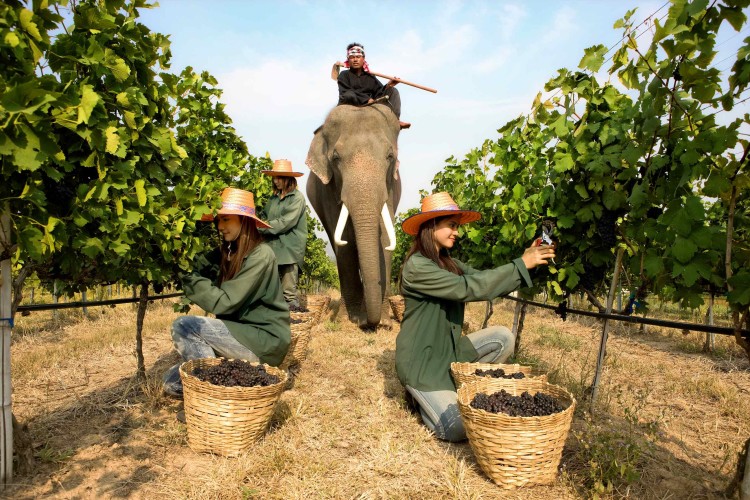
[[709, 345], [518, 317], [605, 328], [6, 326]]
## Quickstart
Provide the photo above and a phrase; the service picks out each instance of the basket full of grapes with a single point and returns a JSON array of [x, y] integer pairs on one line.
[[516, 427], [228, 402], [468, 372]]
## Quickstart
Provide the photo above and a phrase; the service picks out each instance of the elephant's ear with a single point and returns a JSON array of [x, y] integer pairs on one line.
[[317, 157]]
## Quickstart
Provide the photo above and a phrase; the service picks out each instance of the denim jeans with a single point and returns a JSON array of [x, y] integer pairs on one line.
[[197, 337], [439, 409], [289, 273]]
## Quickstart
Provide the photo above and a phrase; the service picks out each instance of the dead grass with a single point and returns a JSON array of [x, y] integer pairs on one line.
[[343, 430]]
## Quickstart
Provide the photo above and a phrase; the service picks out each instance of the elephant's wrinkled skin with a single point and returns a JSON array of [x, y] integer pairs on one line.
[[354, 157]]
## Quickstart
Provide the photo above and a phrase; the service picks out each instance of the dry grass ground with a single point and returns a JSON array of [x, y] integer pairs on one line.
[[673, 415]]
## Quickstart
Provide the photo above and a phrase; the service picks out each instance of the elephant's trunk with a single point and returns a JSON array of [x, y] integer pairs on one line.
[[371, 256]]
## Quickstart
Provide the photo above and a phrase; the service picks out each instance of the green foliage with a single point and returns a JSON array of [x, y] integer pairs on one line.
[[649, 169], [108, 159], [403, 245], [318, 267]]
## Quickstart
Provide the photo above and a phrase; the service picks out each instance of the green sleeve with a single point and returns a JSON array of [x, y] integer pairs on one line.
[[232, 294], [427, 278], [287, 219]]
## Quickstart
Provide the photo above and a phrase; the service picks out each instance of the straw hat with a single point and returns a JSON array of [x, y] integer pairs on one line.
[[282, 168], [237, 202], [438, 205]]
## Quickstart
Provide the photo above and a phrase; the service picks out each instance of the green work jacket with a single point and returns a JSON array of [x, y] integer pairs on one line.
[[251, 304], [430, 338], [288, 232]]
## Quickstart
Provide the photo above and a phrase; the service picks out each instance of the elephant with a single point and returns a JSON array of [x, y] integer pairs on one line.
[[355, 190]]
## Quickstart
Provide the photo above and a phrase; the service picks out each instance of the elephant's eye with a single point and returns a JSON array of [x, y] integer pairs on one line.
[[335, 156]]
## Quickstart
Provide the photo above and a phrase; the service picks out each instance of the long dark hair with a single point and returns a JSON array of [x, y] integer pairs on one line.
[[289, 185], [424, 243], [233, 253]]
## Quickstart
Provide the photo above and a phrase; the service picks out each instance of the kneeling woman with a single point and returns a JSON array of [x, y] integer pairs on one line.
[[435, 288], [239, 283]]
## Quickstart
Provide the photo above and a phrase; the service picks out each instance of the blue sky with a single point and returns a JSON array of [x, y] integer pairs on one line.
[[487, 59]]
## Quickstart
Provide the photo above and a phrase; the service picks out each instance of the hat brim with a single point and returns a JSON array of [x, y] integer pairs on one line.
[[258, 222], [411, 225], [274, 173]]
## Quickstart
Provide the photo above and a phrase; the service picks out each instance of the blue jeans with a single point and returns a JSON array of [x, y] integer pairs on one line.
[[439, 409], [198, 337]]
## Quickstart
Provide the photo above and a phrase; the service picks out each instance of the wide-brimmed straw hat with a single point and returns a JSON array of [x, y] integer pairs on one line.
[[237, 202], [438, 205], [282, 168]]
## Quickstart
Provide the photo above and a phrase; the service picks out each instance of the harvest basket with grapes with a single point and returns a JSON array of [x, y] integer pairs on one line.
[[228, 403]]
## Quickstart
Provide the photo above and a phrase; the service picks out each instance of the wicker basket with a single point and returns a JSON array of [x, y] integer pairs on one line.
[[464, 372], [318, 304], [397, 306], [298, 346], [304, 316], [516, 451], [226, 420]]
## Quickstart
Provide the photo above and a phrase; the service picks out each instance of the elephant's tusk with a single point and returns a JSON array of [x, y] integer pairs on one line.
[[389, 230], [343, 216]]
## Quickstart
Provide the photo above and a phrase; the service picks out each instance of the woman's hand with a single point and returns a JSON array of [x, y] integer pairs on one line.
[[538, 255]]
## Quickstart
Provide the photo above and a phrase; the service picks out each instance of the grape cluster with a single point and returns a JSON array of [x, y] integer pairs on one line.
[[525, 405], [605, 228], [298, 309], [498, 373], [235, 372], [592, 276]]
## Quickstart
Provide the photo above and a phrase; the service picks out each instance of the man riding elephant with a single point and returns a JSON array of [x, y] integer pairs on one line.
[[358, 87]]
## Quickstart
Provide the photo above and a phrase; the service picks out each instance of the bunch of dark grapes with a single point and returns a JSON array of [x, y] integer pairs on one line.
[[498, 373], [298, 309], [605, 228], [236, 372], [592, 276], [525, 405]]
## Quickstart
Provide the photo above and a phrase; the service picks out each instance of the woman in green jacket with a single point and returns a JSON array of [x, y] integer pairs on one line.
[[238, 283], [435, 288], [287, 236]]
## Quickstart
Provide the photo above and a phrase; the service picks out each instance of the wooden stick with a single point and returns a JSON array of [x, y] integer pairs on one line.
[[337, 65]]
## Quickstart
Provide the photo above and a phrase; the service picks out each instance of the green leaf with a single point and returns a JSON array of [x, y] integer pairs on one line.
[[653, 264], [89, 100], [92, 247], [11, 39], [581, 190], [563, 162], [113, 140], [28, 25], [593, 58], [131, 218], [741, 289], [29, 238], [140, 192], [684, 249]]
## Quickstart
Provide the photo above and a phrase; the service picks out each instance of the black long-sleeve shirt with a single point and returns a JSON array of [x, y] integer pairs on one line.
[[358, 89]]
